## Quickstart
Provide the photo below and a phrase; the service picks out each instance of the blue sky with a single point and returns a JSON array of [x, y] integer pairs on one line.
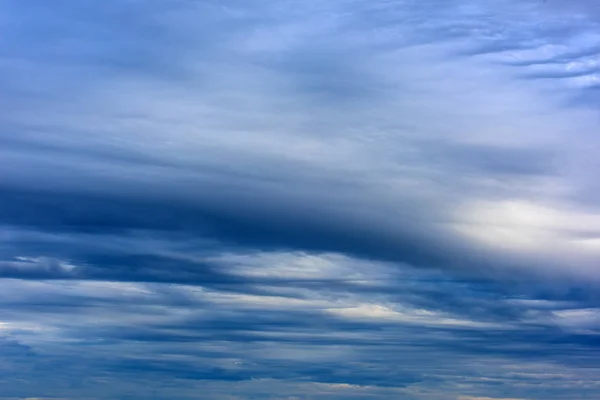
[[299, 200]]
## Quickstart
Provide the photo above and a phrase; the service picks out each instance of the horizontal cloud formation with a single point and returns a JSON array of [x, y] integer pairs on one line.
[[276, 199]]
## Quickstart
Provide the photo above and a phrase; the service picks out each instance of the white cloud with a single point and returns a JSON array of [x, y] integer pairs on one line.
[[421, 317], [534, 229]]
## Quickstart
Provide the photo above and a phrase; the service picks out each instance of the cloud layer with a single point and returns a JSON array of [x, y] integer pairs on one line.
[[298, 200]]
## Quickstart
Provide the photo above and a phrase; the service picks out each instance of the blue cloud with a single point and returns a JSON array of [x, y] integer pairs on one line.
[[283, 200]]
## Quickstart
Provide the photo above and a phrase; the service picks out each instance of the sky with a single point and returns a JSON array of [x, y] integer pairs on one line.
[[299, 199]]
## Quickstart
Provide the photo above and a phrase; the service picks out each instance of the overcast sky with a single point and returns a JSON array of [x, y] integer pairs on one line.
[[299, 199]]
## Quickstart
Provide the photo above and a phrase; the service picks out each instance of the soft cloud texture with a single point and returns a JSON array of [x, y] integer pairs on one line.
[[299, 199]]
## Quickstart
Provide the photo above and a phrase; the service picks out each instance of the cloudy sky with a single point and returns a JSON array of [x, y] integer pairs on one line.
[[299, 199]]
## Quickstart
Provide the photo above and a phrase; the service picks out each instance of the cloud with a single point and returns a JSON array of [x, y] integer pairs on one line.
[[284, 199], [484, 398], [340, 332], [166, 161]]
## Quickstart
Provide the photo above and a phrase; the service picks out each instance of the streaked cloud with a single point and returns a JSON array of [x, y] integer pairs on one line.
[[299, 199]]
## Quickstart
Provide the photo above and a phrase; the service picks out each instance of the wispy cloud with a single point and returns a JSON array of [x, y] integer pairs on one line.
[[327, 199]]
